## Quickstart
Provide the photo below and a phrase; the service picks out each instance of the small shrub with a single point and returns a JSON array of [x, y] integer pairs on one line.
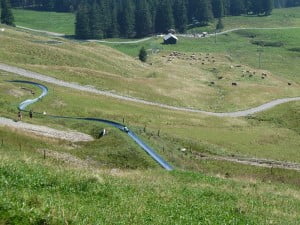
[[267, 43], [297, 49], [143, 54]]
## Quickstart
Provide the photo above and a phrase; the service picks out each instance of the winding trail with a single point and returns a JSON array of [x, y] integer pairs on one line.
[[266, 163], [44, 78], [22, 106], [43, 31], [148, 38]]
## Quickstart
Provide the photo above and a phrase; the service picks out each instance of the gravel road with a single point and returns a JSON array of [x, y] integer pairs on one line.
[[44, 78], [148, 38], [72, 136]]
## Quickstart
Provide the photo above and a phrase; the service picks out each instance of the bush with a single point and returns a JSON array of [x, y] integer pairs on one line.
[[267, 43], [297, 49], [143, 54]]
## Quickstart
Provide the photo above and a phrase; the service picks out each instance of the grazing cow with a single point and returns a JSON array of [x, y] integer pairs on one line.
[[212, 82], [289, 83], [220, 78], [234, 84]]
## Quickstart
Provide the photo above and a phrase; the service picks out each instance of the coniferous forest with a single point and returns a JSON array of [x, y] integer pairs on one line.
[[96, 19]]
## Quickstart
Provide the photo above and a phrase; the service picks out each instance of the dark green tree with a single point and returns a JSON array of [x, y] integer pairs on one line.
[[6, 13], [143, 54], [126, 19], [95, 22], [220, 25], [113, 26], [218, 8], [237, 7], [257, 6], [200, 11], [82, 25], [267, 7], [164, 17], [143, 23], [180, 15]]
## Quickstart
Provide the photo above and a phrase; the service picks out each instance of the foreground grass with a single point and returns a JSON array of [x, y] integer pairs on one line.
[[49, 21], [38, 191]]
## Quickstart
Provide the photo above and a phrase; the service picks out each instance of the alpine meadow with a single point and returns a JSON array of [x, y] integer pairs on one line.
[[149, 112]]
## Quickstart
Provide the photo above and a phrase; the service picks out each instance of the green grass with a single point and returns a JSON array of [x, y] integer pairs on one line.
[[174, 83], [122, 185], [49, 21], [38, 191], [252, 137], [285, 17]]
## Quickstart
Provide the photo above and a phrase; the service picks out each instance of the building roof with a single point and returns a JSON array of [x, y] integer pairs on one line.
[[168, 36]]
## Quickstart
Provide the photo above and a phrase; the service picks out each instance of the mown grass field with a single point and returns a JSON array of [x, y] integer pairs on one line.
[[51, 21], [286, 17]]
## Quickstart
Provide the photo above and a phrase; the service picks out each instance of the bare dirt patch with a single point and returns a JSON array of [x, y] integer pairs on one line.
[[72, 136]]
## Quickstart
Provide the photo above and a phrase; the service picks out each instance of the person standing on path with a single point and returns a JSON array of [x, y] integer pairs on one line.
[[19, 115], [30, 113]]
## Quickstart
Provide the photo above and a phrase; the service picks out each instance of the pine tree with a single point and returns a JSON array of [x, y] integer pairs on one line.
[[82, 26], [180, 15], [204, 12], [218, 8], [113, 26], [142, 19], [164, 17], [267, 7], [220, 25], [95, 23], [126, 20], [237, 7], [143, 54], [6, 13], [257, 6]]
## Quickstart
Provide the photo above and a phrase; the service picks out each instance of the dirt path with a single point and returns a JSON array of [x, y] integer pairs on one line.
[[44, 78], [72, 136], [252, 161], [42, 31], [148, 38]]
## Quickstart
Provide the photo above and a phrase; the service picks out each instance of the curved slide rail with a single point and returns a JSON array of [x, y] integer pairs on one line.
[[22, 106]]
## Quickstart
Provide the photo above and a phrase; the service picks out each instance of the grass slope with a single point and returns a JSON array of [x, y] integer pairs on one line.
[[251, 137], [182, 81], [38, 191]]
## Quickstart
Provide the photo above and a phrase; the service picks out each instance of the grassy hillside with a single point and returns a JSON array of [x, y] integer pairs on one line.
[[251, 137], [181, 81], [50, 191], [111, 180], [132, 197]]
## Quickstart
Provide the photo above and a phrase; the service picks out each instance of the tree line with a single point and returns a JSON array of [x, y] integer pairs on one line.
[[138, 18], [71, 5], [6, 16], [96, 19]]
